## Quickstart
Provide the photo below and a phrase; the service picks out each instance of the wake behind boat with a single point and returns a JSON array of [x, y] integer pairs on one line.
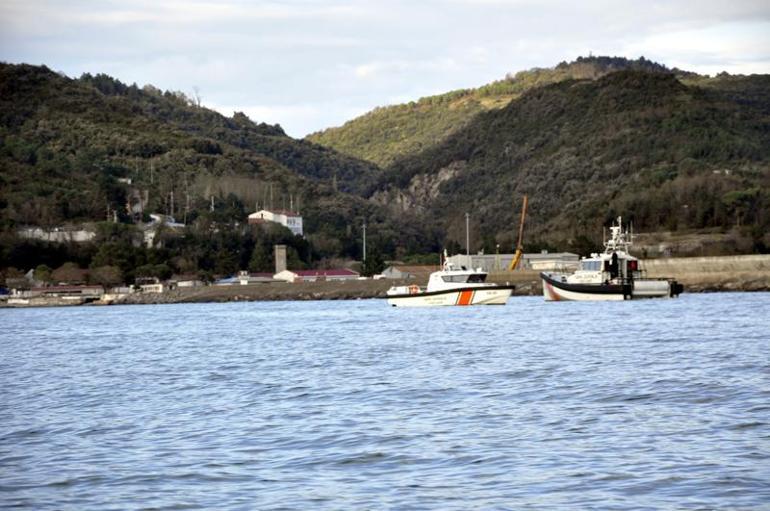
[[612, 275], [451, 286]]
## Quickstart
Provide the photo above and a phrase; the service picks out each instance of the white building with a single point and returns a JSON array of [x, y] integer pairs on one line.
[[58, 234], [150, 229], [316, 275], [289, 219]]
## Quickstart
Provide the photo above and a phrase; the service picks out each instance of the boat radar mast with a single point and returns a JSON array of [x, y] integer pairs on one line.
[[619, 239]]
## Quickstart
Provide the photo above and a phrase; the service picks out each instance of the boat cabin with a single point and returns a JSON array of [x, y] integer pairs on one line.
[[608, 267], [451, 276]]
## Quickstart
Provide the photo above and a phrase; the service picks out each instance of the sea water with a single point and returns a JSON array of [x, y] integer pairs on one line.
[[660, 404]]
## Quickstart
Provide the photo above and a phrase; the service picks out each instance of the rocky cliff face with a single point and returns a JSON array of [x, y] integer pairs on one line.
[[422, 190]]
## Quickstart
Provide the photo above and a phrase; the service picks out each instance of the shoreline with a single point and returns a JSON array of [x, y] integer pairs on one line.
[[698, 275], [370, 290]]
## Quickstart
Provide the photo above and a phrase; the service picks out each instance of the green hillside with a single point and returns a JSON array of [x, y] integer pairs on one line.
[[587, 141], [83, 150], [663, 154], [388, 133]]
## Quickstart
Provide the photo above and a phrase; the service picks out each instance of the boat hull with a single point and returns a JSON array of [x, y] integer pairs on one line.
[[556, 289], [488, 295]]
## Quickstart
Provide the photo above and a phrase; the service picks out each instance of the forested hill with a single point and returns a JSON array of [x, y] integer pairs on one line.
[[388, 133], [644, 145], [65, 144], [81, 150]]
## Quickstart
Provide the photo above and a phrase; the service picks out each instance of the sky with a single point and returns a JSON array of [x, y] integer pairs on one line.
[[312, 64]]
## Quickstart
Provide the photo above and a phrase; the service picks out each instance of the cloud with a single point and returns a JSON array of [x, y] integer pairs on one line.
[[737, 47], [318, 61], [397, 67], [292, 118]]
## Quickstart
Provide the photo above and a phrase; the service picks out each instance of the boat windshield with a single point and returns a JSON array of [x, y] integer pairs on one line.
[[590, 265], [472, 278]]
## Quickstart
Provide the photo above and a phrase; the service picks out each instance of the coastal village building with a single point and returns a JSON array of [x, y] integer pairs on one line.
[[289, 219], [157, 223], [64, 291], [403, 271], [69, 234], [246, 278], [316, 275]]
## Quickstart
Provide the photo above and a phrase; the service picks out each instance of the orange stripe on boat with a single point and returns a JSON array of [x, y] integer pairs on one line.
[[465, 298]]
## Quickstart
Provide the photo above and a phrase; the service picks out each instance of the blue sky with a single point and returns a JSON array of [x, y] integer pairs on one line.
[[310, 64]]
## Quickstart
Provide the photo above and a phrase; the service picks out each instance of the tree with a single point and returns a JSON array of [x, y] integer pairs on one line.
[[69, 273], [115, 254], [293, 260], [43, 273], [225, 262], [373, 264], [260, 258], [160, 271], [107, 276]]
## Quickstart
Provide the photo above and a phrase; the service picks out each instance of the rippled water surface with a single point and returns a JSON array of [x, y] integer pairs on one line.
[[355, 405]]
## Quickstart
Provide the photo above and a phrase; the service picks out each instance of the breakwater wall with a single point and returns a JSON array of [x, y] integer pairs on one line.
[[725, 273]]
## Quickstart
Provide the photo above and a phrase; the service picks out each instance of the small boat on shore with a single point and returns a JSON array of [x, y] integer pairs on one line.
[[451, 286], [611, 275]]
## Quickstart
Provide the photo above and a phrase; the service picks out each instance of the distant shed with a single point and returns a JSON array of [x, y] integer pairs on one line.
[[409, 272]]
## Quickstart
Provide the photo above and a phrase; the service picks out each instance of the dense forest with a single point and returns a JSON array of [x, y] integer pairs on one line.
[[586, 140], [389, 133], [665, 155], [96, 151]]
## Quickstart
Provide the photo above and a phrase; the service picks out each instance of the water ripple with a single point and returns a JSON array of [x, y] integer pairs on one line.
[[355, 405]]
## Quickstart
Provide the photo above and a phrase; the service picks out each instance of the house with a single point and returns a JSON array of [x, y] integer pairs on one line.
[[150, 285], [289, 219], [153, 288], [187, 280], [67, 291], [316, 275], [403, 271], [157, 224], [245, 278]]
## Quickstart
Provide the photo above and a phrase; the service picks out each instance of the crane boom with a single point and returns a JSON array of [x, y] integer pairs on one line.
[[519, 247]]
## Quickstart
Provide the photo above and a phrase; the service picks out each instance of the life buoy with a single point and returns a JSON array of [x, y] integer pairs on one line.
[[413, 290]]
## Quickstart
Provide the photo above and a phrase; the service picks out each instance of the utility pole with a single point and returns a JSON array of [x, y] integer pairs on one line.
[[467, 234], [364, 241]]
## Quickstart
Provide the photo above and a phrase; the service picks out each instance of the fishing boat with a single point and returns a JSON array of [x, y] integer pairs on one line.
[[611, 275], [451, 286]]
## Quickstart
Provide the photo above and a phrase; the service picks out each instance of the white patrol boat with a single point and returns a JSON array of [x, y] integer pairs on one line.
[[451, 286], [612, 275]]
